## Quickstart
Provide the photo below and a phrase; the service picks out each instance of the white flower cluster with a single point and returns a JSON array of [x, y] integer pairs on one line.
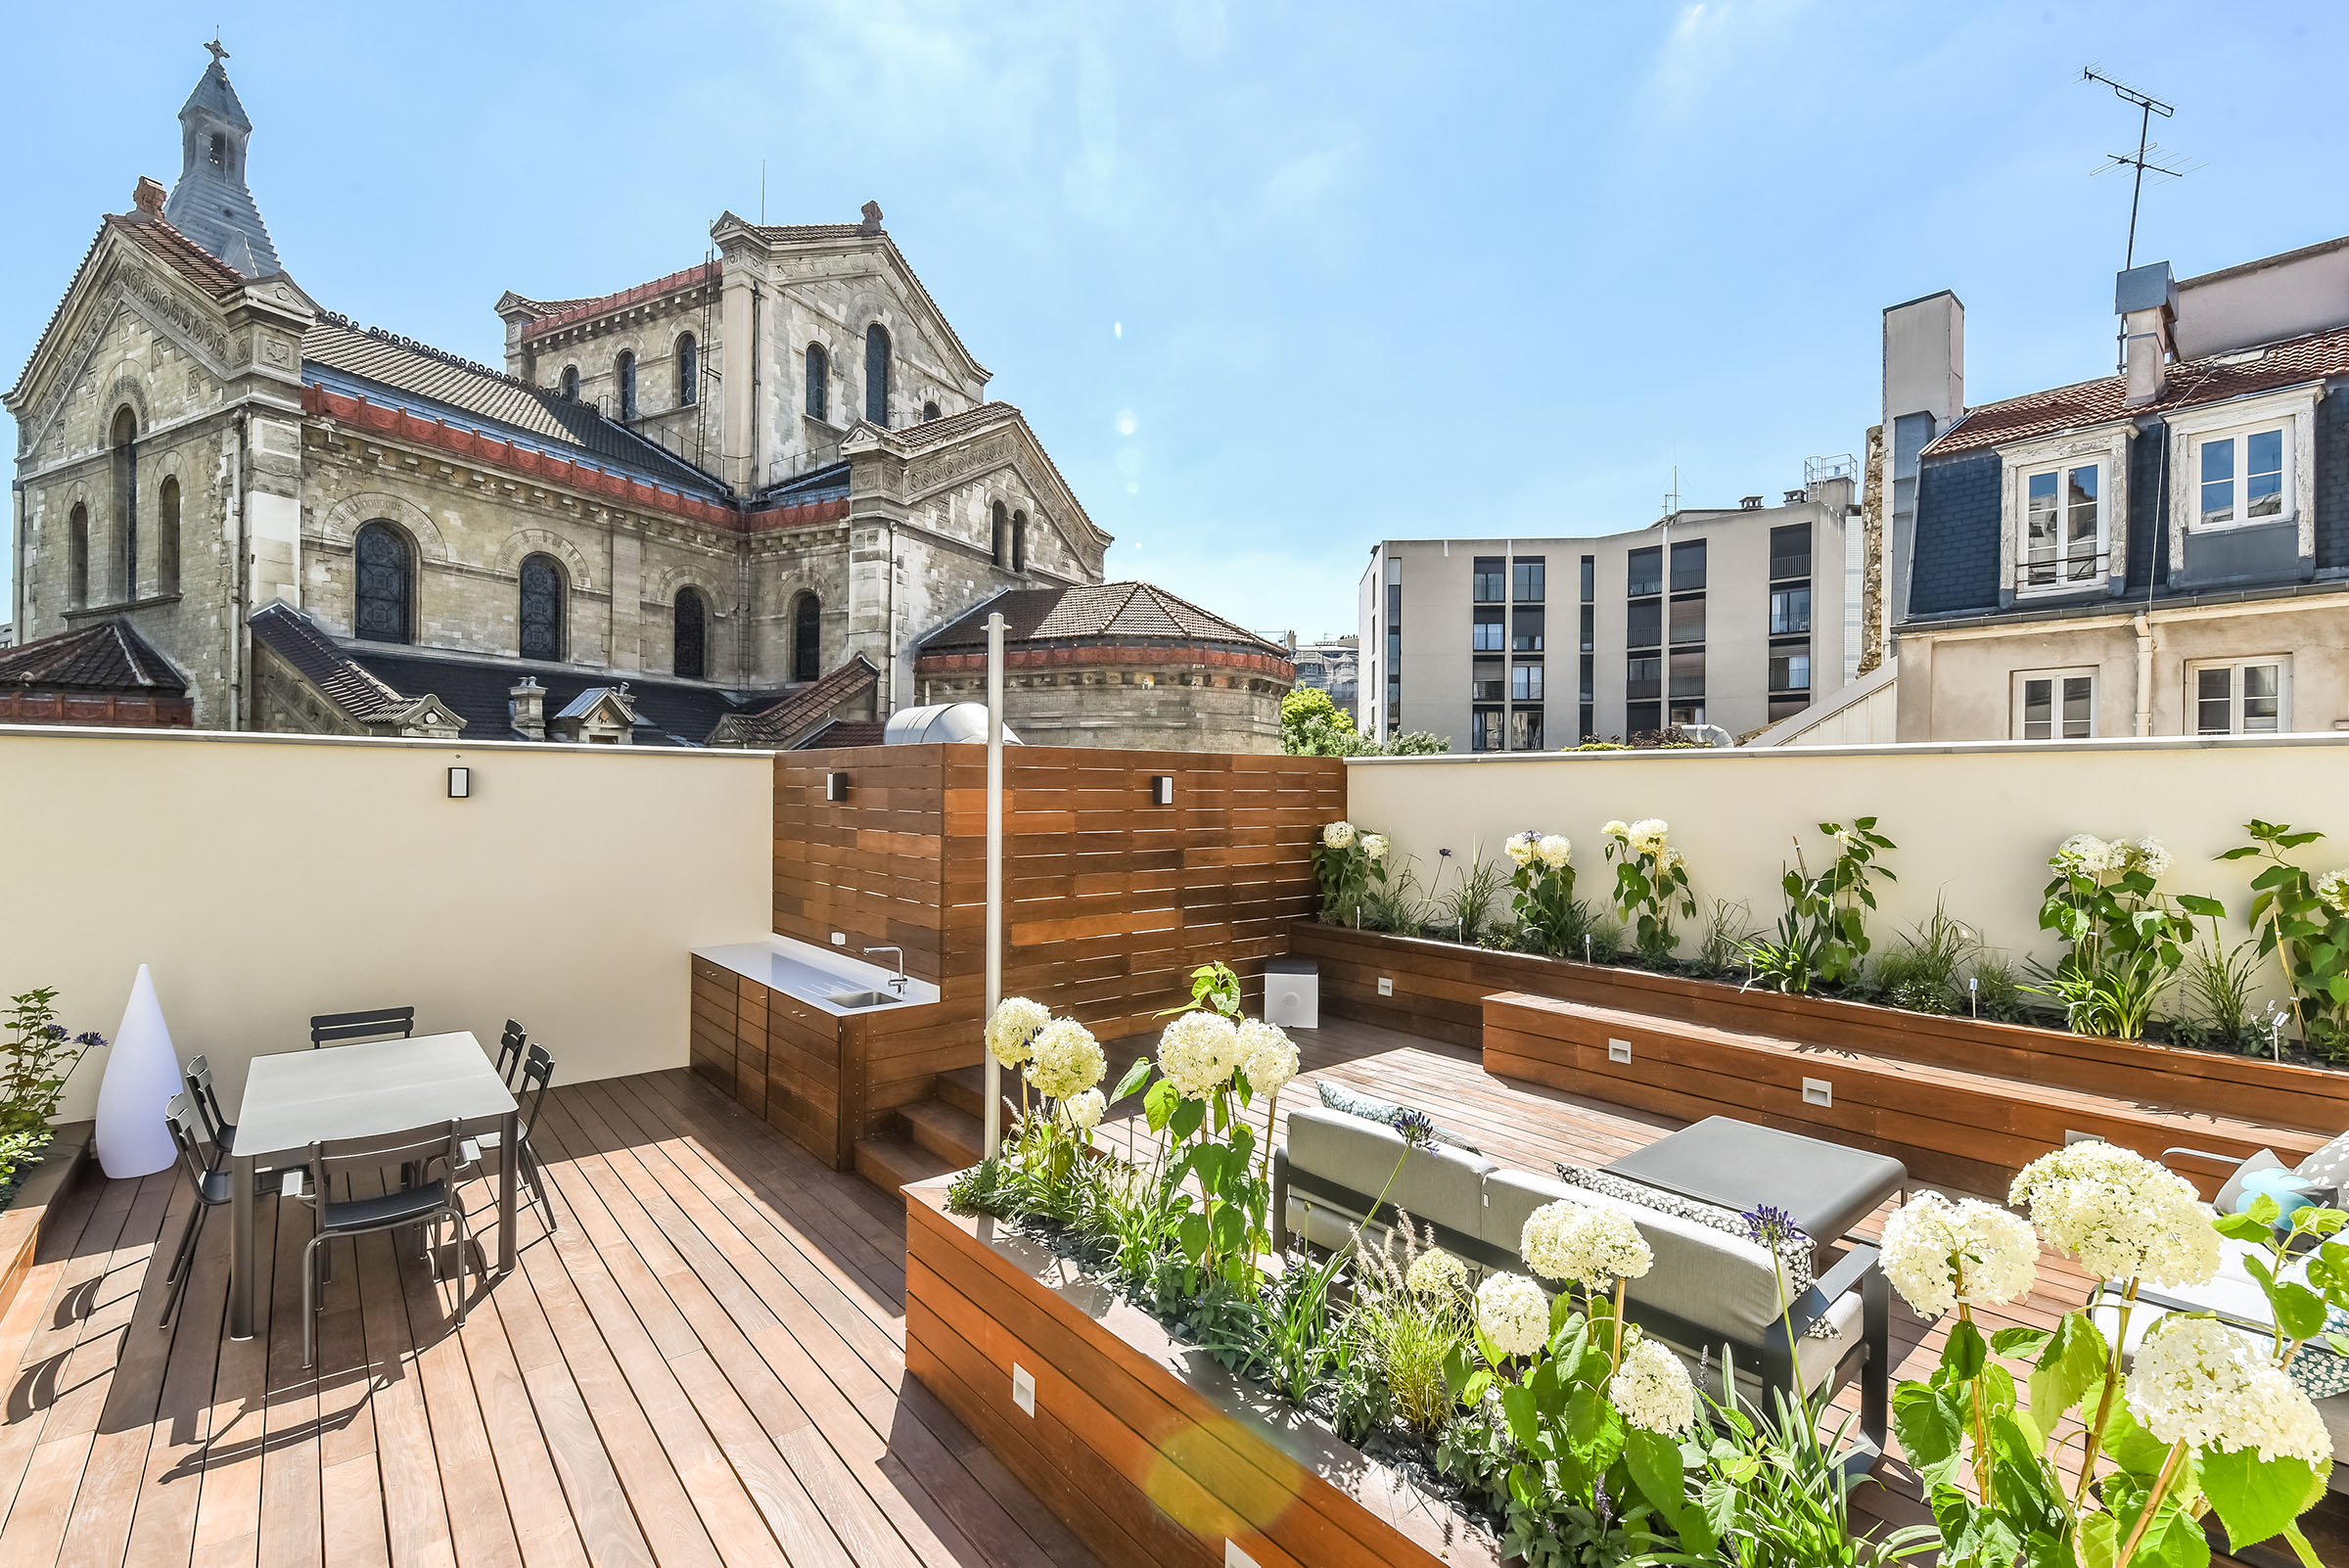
[[1338, 834], [1651, 1389], [1556, 850], [1267, 1055], [1374, 846], [1615, 828], [1438, 1275], [1646, 836], [1011, 1033], [1065, 1059], [1592, 1246], [2120, 1215], [2148, 856], [1512, 1313], [1930, 1239], [2332, 890], [1198, 1051], [2199, 1382], [2084, 854], [1082, 1111], [1844, 840], [1519, 847]]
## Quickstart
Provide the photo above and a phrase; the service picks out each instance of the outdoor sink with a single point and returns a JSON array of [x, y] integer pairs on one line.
[[863, 998]]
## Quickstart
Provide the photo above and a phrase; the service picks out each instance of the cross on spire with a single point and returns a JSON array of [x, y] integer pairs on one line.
[[218, 54]]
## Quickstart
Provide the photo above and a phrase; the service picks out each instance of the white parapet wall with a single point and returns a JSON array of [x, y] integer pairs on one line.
[[1975, 822], [264, 878]]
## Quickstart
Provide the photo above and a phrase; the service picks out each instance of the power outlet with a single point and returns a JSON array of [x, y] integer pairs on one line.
[[1022, 1389], [1818, 1091], [1619, 1050], [1234, 1557], [1386, 988]]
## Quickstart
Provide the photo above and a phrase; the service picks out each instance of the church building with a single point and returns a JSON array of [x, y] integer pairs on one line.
[[747, 491]]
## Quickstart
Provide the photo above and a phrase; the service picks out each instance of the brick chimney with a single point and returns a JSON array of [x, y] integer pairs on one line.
[[2147, 300], [526, 703]]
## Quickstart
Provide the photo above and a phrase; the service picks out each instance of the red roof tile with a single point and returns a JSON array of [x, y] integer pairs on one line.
[[1100, 612], [567, 312], [190, 259], [110, 656], [785, 721]]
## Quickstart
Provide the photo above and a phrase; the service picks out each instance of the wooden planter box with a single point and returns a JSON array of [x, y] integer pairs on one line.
[[1141, 1445], [1439, 992]]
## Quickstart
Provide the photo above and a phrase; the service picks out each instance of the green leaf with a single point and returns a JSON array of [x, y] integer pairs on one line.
[[1158, 1106], [2299, 1310], [1524, 1415], [1193, 1235], [2073, 1363], [2197, 903], [2257, 1497], [1963, 1358], [1188, 1114], [1930, 1423], [2243, 1226], [1135, 1076]]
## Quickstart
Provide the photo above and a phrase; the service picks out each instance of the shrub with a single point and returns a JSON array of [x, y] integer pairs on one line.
[[1542, 891], [1651, 884], [1469, 905], [2128, 937], [42, 1056], [1348, 862], [1925, 971], [1823, 937], [2304, 921]]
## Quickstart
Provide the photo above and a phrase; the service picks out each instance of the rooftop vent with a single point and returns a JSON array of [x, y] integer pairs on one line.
[[953, 723], [1796, 498], [1749, 503]]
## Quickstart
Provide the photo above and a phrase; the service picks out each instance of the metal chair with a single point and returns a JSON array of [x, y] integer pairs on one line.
[[212, 1188], [537, 1072], [426, 1203], [218, 1129], [369, 1023], [509, 1053]]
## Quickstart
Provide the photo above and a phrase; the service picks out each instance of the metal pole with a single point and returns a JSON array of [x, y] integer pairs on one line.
[[993, 1117]]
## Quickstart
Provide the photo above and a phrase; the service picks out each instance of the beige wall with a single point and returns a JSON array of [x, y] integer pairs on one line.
[[1975, 822], [266, 878]]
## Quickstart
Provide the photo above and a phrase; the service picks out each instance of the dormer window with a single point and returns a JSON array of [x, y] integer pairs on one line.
[[2241, 477], [2063, 528]]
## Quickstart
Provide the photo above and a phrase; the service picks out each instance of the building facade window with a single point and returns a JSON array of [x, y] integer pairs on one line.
[[1789, 551], [77, 557], [1789, 610], [1526, 629], [1790, 670], [542, 616], [1491, 633], [1487, 682], [1688, 619], [689, 371], [1487, 730], [1641, 719], [1391, 576], [1643, 624], [1643, 572], [2241, 696], [1019, 541], [1644, 678], [819, 380], [1525, 580], [1689, 566], [1589, 578], [1488, 580], [2063, 528], [876, 375], [2242, 478], [2054, 705], [689, 636], [807, 637], [571, 382], [1525, 729], [929, 412], [166, 537], [1000, 523], [1525, 683], [384, 589], [623, 377], [126, 443], [1687, 673]]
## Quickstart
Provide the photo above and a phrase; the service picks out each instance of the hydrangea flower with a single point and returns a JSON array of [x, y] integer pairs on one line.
[[1556, 850], [2083, 855], [1267, 1055], [1198, 1052], [1520, 847], [1080, 1112], [1338, 834], [2146, 855], [1615, 829], [1512, 1313], [1586, 1245], [2199, 1382], [1930, 1239], [1374, 846], [1011, 1033], [2332, 890], [1651, 1389], [1065, 1059], [2120, 1215], [1647, 835], [1439, 1276]]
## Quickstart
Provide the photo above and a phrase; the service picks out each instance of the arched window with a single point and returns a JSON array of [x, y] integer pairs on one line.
[[166, 538], [623, 374], [929, 412], [1002, 541], [542, 607], [807, 637], [1019, 541], [876, 375], [819, 376], [77, 557], [219, 151], [689, 371], [383, 598], [125, 585], [691, 655], [570, 382]]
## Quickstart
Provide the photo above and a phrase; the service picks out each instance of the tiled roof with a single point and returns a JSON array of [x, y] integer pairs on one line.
[[191, 260], [927, 433], [847, 732], [1108, 610], [110, 656], [296, 639], [785, 721], [553, 315], [2212, 378], [785, 233]]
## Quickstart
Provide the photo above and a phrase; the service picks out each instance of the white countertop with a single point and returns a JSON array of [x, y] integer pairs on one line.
[[813, 975]]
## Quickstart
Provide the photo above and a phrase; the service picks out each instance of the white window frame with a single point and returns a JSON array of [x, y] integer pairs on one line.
[[2294, 411], [2054, 678], [2239, 479], [2108, 451], [2282, 663]]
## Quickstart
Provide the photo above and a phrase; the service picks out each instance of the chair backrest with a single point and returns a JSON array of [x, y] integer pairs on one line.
[[435, 1140], [369, 1023], [509, 1052], [206, 1099], [180, 1116], [537, 1072]]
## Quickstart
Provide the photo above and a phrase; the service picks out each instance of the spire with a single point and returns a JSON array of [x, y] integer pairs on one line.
[[212, 203]]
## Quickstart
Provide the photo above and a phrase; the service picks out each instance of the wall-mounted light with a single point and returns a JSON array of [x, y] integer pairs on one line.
[[1162, 789], [836, 786], [460, 783]]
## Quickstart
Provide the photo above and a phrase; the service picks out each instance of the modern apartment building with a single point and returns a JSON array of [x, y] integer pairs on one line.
[[1724, 616], [1328, 663]]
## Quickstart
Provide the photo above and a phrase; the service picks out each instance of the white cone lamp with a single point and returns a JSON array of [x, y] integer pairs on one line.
[[142, 1074]]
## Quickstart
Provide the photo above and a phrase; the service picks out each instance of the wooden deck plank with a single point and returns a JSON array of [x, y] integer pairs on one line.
[[292, 1528]]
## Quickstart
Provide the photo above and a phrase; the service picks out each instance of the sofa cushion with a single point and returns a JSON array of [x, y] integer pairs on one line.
[[2329, 1167], [1795, 1252], [2264, 1160], [1354, 1103], [1441, 1185]]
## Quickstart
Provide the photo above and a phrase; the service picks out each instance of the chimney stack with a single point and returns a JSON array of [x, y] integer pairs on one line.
[[2147, 300], [526, 703]]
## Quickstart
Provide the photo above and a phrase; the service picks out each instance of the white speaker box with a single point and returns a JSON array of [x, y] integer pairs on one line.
[[1293, 993]]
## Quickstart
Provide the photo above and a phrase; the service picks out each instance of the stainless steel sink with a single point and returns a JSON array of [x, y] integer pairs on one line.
[[853, 999]]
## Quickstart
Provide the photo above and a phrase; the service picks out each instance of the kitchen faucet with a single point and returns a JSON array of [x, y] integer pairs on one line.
[[897, 984]]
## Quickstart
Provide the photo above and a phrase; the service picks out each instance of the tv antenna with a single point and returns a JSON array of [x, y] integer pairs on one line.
[[2148, 107]]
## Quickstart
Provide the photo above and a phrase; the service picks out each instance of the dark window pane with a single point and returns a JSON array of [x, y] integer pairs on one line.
[[1491, 634], [2263, 697], [1589, 671], [1643, 626], [541, 608], [1394, 606], [1525, 683], [1643, 677], [807, 638], [1640, 717], [386, 584], [2039, 705], [689, 370], [1688, 566], [1490, 578], [1790, 551], [1689, 674], [1525, 729], [1487, 681], [1644, 571], [1589, 621], [1527, 631], [1526, 583], [1590, 577], [1789, 610], [625, 373], [691, 660], [876, 375], [2079, 714], [1688, 620], [1486, 733], [819, 376]]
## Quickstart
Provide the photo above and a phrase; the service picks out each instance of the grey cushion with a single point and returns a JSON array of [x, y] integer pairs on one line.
[[1795, 1252], [1354, 1103], [2264, 1160], [2329, 1167], [1442, 1185]]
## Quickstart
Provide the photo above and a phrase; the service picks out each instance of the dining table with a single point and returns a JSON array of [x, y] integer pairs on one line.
[[296, 1099]]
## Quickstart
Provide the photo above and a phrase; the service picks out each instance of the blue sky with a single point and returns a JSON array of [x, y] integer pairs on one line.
[[1271, 281]]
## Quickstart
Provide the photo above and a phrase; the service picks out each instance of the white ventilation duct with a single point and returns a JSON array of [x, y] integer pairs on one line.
[[943, 723]]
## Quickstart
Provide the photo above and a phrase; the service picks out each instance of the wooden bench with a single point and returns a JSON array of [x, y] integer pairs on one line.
[[1950, 1127]]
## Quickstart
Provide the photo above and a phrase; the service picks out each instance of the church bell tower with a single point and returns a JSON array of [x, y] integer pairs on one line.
[[212, 204]]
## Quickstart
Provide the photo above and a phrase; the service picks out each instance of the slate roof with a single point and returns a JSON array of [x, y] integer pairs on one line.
[[350, 686], [210, 204], [780, 723], [2211, 378], [847, 732], [393, 371], [110, 656], [1104, 611]]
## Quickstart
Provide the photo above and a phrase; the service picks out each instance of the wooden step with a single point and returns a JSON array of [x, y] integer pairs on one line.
[[891, 1164], [951, 1135], [965, 1089]]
